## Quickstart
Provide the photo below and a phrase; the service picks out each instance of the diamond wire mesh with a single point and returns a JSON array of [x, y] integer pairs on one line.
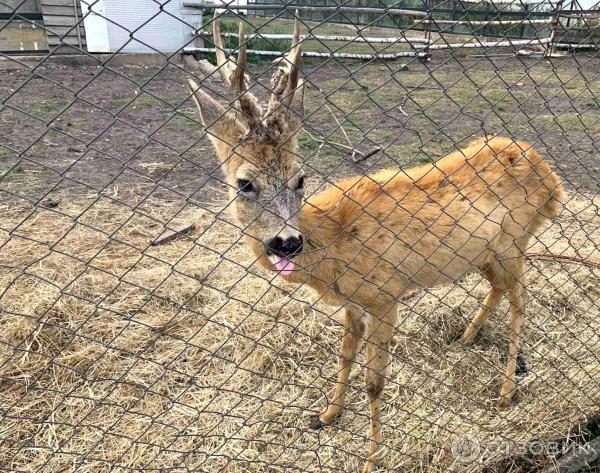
[[120, 355]]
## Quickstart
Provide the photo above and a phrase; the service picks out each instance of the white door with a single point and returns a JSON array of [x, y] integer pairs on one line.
[[96, 26], [147, 26]]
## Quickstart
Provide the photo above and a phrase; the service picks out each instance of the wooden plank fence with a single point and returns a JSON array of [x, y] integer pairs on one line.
[[63, 23], [547, 37], [497, 18]]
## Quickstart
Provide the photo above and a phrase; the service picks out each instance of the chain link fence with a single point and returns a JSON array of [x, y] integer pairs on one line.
[[187, 238]]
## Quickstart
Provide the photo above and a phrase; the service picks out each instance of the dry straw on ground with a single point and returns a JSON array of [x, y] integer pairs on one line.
[[179, 358]]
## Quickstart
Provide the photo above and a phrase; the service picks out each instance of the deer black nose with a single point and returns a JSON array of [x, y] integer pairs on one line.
[[291, 246]]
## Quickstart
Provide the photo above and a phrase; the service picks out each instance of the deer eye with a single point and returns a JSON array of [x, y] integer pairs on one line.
[[244, 185], [300, 184]]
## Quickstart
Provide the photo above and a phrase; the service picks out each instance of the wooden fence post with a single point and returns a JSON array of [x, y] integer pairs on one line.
[[430, 4], [553, 25]]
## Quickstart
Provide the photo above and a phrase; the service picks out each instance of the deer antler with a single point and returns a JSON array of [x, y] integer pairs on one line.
[[284, 114], [285, 108], [234, 74], [281, 76]]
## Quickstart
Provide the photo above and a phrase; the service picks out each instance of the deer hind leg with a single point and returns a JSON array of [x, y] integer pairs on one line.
[[490, 302], [516, 296], [354, 328], [378, 341]]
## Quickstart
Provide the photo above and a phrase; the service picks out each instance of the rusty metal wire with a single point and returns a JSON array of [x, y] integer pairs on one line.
[[118, 353]]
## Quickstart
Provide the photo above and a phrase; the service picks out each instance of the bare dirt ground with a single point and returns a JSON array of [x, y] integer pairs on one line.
[[93, 129], [117, 355]]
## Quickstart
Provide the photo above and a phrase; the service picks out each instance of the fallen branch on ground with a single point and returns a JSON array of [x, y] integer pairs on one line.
[[172, 234], [361, 155], [572, 259]]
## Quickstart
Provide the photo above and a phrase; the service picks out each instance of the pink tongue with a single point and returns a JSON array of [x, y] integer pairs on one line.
[[284, 266]]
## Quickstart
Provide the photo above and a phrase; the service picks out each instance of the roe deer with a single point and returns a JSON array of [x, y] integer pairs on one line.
[[367, 240]]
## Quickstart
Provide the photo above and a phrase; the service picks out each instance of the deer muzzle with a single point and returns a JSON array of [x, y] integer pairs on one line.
[[282, 250]]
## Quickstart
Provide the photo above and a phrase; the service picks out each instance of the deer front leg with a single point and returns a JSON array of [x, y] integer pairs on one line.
[[354, 328], [517, 303], [378, 341]]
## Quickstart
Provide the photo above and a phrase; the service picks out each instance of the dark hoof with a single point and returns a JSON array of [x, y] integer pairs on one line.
[[316, 424], [504, 403], [521, 369]]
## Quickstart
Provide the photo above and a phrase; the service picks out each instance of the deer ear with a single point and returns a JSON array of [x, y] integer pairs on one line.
[[221, 124]]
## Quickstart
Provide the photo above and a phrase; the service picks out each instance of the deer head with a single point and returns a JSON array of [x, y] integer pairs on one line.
[[258, 150]]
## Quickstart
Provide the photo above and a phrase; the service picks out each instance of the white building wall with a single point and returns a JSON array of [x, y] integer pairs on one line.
[[140, 26]]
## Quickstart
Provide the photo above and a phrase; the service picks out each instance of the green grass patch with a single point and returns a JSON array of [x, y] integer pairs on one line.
[[45, 108], [425, 159], [11, 170], [583, 122], [593, 103], [142, 100], [5, 151], [307, 143], [183, 123]]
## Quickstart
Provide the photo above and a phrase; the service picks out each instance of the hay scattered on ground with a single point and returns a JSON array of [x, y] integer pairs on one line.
[[114, 353]]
